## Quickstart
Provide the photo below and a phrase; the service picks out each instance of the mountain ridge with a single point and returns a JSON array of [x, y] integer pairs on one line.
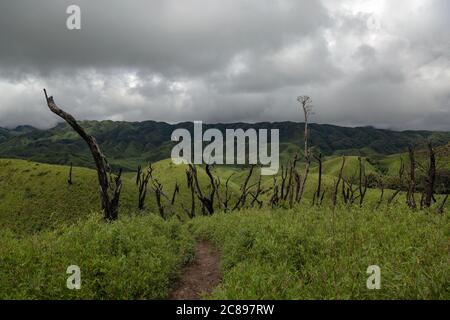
[[128, 144]]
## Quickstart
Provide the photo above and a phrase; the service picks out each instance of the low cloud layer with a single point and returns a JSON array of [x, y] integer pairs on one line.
[[382, 63]]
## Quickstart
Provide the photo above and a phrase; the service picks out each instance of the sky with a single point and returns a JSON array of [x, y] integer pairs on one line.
[[384, 63]]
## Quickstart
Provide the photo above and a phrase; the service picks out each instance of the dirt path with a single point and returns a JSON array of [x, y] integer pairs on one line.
[[201, 276]]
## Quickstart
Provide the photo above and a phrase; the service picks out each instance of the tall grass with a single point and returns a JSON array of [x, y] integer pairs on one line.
[[133, 258], [288, 254]]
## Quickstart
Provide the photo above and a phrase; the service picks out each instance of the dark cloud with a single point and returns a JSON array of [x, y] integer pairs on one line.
[[379, 63]]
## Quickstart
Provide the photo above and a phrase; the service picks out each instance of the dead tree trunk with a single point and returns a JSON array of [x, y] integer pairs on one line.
[[442, 205], [257, 194], [336, 185], [69, 181], [395, 194], [305, 102], [362, 182], [431, 177], [284, 174], [410, 197], [273, 202], [244, 191], [138, 175], [206, 202], [401, 171], [176, 190], [109, 193], [142, 181], [319, 182], [190, 184], [381, 186], [227, 196], [158, 192]]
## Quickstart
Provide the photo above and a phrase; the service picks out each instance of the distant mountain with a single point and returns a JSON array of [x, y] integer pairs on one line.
[[127, 144]]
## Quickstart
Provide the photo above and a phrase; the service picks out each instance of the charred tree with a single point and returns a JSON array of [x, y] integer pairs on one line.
[[336, 184], [317, 195], [244, 190], [109, 187], [138, 175], [362, 181], [69, 181], [440, 210], [431, 177], [176, 190], [206, 202], [306, 104], [401, 172], [410, 196], [142, 181], [381, 186], [190, 185], [273, 202]]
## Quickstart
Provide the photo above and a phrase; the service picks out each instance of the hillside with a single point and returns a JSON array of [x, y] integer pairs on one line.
[[36, 196], [128, 144], [266, 253]]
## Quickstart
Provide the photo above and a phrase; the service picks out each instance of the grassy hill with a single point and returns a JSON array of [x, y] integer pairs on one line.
[[36, 196], [302, 253]]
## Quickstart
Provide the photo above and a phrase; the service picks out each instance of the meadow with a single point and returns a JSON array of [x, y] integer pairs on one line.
[[307, 252]]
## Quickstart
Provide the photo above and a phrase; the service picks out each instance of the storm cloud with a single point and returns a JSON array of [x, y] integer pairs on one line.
[[382, 63]]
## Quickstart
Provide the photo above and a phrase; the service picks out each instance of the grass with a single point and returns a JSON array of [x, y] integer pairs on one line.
[[133, 258], [292, 254], [301, 253]]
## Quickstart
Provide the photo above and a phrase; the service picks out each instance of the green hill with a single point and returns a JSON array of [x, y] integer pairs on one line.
[[128, 144], [36, 196]]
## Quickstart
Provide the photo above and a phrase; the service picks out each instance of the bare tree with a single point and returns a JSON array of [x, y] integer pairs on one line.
[[273, 202], [318, 197], [410, 198], [227, 196], [440, 210], [109, 187], [138, 175], [336, 184], [363, 182], [206, 202], [190, 185], [176, 191], [257, 194], [401, 172], [245, 188], [306, 104], [349, 190], [69, 181], [142, 182], [431, 177], [381, 186]]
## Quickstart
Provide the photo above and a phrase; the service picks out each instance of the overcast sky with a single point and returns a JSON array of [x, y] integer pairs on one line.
[[384, 63]]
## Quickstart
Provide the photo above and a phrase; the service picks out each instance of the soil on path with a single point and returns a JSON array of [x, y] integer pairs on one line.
[[201, 276]]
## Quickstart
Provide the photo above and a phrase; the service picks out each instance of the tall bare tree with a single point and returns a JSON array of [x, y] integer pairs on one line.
[[142, 182], [69, 181], [318, 197], [363, 182], [109, 187], [431, 177], [410, 198], [306, 105]]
